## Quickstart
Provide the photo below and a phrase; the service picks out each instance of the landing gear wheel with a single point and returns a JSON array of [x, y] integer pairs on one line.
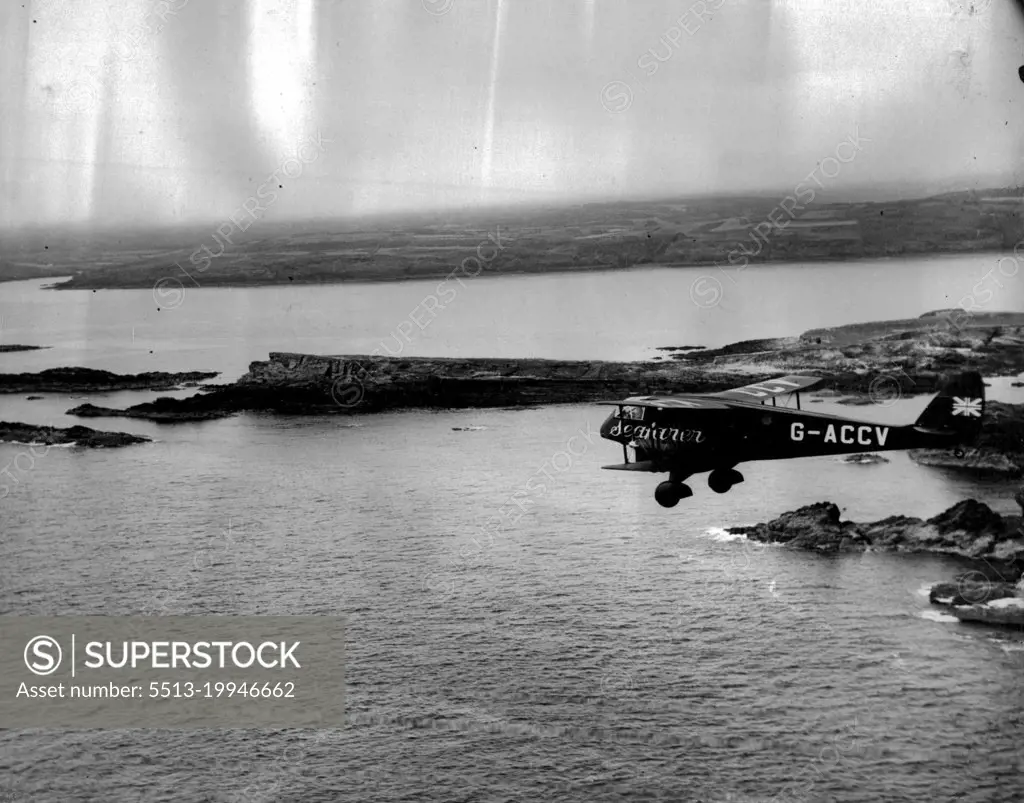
[[718, 484], [721, 480], [669, 493]]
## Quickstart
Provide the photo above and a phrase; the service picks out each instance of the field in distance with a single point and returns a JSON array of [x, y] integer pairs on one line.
[[567, 238]]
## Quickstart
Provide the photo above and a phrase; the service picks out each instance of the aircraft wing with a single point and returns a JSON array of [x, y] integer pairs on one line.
[[767, 389], [671, 403]]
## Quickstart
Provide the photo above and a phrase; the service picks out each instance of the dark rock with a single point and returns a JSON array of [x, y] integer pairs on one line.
[[968, 528], [813, 527], [993, 591], [18, 347], [1007, 613], [998, 450], [163, 411], [309, 384], [887, 359], [88, 380], [970, 592], [864, 459], [33, 398], [981, 461], [80, 436], [969, 516]]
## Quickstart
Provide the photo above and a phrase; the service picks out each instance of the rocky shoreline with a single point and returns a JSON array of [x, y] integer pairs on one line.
[[973, 599], [969, 529], [91, 380], [306, 384], [163, 410], [880, 362], [31, 435], [875, 362], [998, 450], [991, 594]]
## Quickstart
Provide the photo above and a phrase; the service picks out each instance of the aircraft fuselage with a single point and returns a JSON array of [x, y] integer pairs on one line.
[[703, 440], [715, 432]]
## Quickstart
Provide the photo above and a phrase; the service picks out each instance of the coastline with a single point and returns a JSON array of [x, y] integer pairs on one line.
[[720, 233], [386, 275], [878, 362]]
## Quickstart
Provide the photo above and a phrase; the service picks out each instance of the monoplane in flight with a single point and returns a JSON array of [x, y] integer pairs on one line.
[[689, 434]]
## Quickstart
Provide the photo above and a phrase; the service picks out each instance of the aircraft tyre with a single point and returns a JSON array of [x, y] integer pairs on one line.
[[668, 493], [721, 480]]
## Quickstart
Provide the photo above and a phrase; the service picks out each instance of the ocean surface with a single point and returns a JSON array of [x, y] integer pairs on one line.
[[601, 648]]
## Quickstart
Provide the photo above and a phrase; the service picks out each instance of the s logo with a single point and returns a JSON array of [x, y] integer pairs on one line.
[[43, 655]]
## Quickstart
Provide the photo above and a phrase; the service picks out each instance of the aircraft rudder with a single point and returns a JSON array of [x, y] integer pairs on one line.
[[959, 406]]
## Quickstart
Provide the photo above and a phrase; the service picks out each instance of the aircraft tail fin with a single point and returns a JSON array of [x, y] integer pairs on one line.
[[959, 407]]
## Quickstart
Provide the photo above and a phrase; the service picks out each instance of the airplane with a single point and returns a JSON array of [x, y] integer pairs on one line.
[[689, 434]]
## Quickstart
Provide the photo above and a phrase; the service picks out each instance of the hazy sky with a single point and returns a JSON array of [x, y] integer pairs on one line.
[[158, 112]]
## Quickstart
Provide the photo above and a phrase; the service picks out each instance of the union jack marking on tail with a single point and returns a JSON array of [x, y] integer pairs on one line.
[[967, 407]]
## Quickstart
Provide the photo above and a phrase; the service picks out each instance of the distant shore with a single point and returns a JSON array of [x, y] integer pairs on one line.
[[384, 275], [727, 234]]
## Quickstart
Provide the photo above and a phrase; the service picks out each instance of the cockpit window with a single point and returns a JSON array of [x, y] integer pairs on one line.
[[632, 413]]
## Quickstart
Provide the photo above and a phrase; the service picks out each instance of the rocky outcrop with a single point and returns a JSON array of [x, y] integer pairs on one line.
[[296, 384], [90, 380], [991, 594], [976, 598], [54, 436], [813, 527], [164, 410], [971, 589], [879, 361], [19, 347], [982, 461], [864, 459], [1007, 612], [999, 449], [311, 384], [969, 528], [884, 360]]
